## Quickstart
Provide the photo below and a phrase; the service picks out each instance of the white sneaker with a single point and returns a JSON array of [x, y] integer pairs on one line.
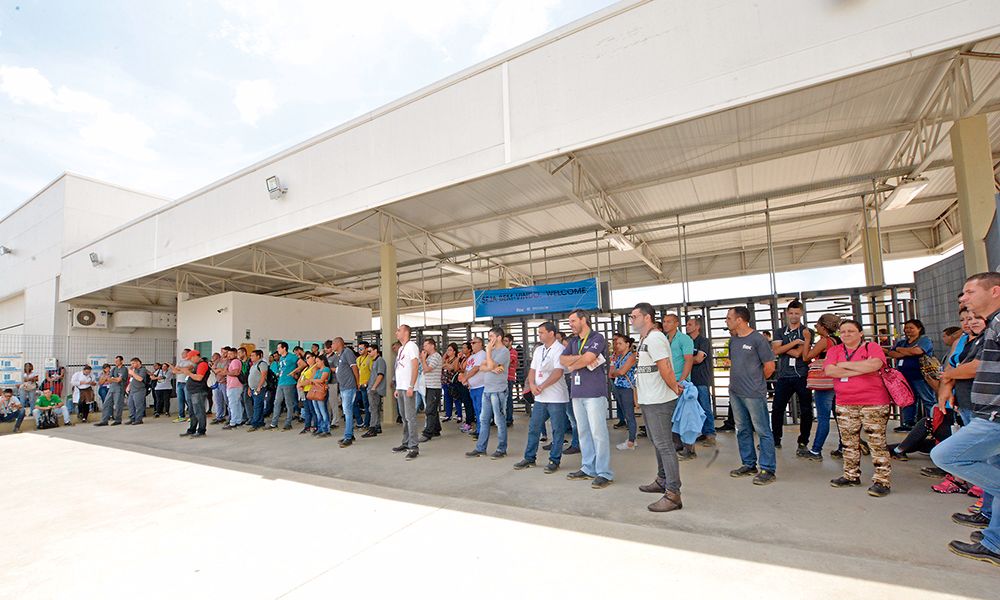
[[626, 445]]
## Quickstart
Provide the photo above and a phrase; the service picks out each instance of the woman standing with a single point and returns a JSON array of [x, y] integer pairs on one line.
[[907, 351], [161, 392], [320, 377], [862, 404], [960, 368], [104, 382], [821, 385], [449, 376], [622, 375], [29, 386]]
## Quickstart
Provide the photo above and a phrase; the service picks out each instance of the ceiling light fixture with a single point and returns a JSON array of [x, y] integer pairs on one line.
[[453, 268], [905, 192]]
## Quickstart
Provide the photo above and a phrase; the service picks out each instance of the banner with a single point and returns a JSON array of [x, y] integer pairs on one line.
[[538, 299], [11, 369]]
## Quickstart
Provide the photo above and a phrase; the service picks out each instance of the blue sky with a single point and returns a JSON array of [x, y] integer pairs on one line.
[[166, 97]]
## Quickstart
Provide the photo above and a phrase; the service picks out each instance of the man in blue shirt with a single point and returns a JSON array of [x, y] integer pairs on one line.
[[287, 393]]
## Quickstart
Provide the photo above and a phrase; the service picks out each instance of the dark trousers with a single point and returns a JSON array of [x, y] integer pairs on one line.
[[783, 390], [432, 404], [510, 402], [83, 406], [470, 412], [197, 402], [161, 402]]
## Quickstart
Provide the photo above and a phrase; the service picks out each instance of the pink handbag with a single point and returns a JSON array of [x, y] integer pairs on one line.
[[897, 386]]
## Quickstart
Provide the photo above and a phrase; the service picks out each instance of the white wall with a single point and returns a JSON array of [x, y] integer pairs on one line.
[[631, 68], [267, 318]]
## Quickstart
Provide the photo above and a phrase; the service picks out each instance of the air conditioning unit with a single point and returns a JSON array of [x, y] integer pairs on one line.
[[90, 318]]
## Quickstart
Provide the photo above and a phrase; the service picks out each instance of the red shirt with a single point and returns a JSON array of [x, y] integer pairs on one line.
[[512, 369], [865, 390]]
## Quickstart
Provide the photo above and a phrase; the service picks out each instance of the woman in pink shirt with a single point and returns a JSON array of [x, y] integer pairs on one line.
[[862, 404]]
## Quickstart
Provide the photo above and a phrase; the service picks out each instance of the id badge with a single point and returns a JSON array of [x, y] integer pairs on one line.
[[576, 379], [791, 362], [843, 380]]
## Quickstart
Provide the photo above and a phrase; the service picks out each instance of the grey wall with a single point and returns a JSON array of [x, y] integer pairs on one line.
[[938, 287]]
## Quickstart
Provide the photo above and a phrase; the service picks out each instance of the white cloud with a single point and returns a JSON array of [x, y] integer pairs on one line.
[[254, 99], [98, 124]]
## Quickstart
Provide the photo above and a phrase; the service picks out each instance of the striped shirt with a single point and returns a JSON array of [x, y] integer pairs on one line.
[[986, 387], [432, 378]]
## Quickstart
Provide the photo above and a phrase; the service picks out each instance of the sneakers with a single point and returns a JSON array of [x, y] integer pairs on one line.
[[412, 454], [976, 520], [600, 483], [878, 490], [764, 478], [743, 471], [498, 455], [815, 456], [399, 449], [551, 468], [687, 454], [903, 429], [578, 475], [670, 501], [178, 420], [844, 482], [474, 454], [803, 452], [523, 464], [838, 453], [424, 438], [653, 488], [626, 445], [269, 427], [708, 442], [975, 551], [234, 427]]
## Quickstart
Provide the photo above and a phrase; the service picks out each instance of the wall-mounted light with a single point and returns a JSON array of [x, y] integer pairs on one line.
[[274, 187], [95, 260], [5, 250]]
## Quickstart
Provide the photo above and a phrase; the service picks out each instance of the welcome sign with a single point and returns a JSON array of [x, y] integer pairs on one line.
[[538, 299]]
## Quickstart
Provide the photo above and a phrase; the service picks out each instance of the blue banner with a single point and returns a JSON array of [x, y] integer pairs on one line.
[[538, 299]]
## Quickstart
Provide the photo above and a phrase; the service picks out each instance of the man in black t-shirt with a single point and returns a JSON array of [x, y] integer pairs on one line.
[[790, 345]]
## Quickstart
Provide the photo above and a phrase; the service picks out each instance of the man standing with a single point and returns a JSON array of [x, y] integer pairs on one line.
[[791, 343], [347, 381], [287, 394], [220, 364], [701, 377], [973, 453], [407, 359], [546, 383], [752, 362], [114, 402], [657, 390], [182, 401], [430, 363], [494, 396], [508, 342], [682, 359], [244, 357], [234, 390], [196, 382], [136, 388], [364, 374], [376, 391], [584, 359], [11, 409], [257, 383]]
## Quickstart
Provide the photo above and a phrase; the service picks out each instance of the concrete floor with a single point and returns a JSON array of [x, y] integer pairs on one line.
[[126, 511]]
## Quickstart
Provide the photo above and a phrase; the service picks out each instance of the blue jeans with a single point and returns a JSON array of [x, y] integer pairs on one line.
[[258, 407], [308, 416], [625, 399], [477, 402], [361, 404], [541, 412], [967, 416], [571, 418], [595, 445], [705, 400], [973, 453], [181, 399], [16, 416], [347, 403], [751, 416], [322, 415], [235, 397], [494, 405], [923, 396], [824, 407]]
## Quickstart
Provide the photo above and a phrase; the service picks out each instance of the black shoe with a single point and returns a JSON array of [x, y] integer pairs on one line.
[[686, 454], [844, 482], [600, 483], [976, 536], [975, 551], [199, 434], [878, 490], [101, 424], [579, 475], [934, 472], [186, 433], [497, 455], [974, 520], [399, 449], [545, 438], [620, 425], [803, 452], [424, 438], [369, 434], [726, 427], [547, 447], [764, 478], [838, 453], [345, 443], [412, 454], [116, 423], [743, 471], [572, 450], [777, 444], [286, 428], [523, 464], [227, 427], [474, 454], [551, 468], [903, 429]]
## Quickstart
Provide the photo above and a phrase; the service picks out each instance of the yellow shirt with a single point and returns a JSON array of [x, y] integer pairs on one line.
[[306, 375], [364, 369]]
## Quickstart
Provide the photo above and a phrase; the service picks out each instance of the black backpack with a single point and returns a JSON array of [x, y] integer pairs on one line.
[[244, 375], [271, 379]]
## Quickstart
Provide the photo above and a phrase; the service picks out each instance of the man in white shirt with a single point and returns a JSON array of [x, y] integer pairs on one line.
[[407, 359], [657, 391], [546, 383], [182, 402], [83, 384]]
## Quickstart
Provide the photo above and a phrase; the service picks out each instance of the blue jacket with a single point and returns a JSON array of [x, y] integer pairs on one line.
[[688, 414]]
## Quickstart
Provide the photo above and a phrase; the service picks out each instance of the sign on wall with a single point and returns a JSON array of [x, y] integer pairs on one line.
[[538, 299], [96, 361], [11, 369]]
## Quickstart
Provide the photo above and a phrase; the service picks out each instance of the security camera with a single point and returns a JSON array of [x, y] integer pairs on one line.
[[221, 310]]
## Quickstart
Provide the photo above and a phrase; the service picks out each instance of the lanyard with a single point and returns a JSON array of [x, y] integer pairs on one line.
[[582, 344], [850, 355]]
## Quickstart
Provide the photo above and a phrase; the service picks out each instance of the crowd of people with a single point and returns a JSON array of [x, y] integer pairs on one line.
[[654, 371]]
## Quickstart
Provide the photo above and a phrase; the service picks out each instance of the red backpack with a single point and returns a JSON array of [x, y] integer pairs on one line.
[[897, 386]]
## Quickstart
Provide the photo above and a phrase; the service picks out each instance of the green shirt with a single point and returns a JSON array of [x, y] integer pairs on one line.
[[681, 345], [44, 402]]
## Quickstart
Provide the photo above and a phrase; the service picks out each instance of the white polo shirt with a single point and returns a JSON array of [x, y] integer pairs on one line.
[[544, 361], [404, 365]]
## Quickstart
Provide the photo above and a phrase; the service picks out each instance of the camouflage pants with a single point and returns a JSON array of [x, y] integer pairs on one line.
[[872, 419]]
